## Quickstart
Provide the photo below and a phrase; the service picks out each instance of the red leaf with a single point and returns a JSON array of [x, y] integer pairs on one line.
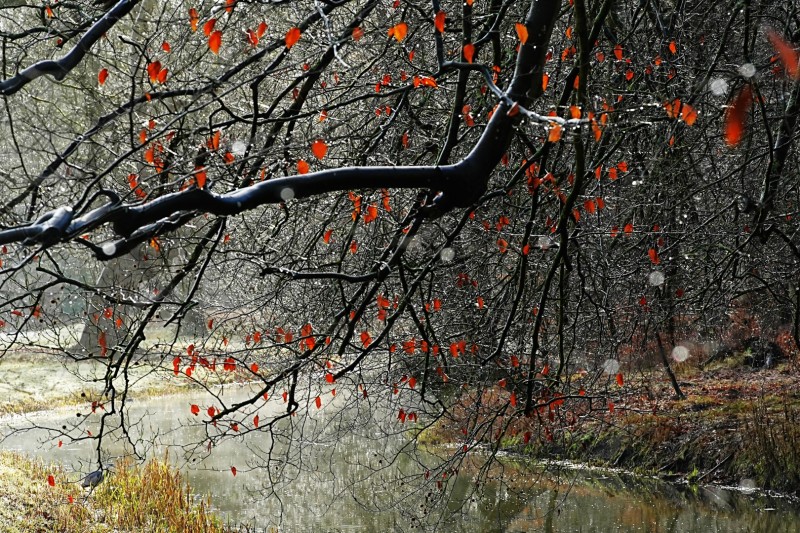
[[215, 41], [153, 69], [254, 368], [618, 52], [358, 33], [318, 402], [262, 29], [252, 37], [326, 238], [787, 54], [522, 32], [469, 52], [211, 411], [653, 256], [255, 421], [366, 339], [101, 340], [195, 409], [233, 471], [319, 148], [166, 47], [438, 21], [736, 116], [51, 480], [673, 47], [208, 27], [302, 167], [102, 76], [412, 382], [329, 378], [292, 36], [620, 381]]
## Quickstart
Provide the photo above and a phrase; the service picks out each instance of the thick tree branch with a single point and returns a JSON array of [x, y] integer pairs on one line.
[[61, 67]]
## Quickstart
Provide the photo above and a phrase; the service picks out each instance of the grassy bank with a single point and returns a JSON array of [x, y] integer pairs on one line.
[[153, 497], [735, 427]]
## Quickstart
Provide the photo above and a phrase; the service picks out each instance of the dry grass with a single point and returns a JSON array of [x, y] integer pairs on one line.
[[149, 498]]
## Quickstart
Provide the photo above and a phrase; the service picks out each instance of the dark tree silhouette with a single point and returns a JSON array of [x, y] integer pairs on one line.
[[483, 213]]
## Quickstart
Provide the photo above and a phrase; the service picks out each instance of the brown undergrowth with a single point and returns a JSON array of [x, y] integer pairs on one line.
[[736, 426]]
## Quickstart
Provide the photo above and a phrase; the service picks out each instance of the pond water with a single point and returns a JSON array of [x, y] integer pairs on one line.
[[327, 491]]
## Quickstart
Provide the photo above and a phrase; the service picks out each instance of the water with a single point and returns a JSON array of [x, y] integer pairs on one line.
[[353, 479]]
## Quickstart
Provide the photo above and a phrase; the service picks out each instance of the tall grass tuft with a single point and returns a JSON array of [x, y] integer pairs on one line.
[[153, 497]]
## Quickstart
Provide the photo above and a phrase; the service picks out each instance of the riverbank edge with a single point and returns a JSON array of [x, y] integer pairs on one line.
[[729, 432], [36, 496]]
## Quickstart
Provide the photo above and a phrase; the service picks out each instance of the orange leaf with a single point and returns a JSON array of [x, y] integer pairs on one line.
[[787, 54], [200, 176], [208, 27], [399, 31], [302, 167], [371, 214], [326, 238], [319, 148], [653, 256], [162, 76], [522, 32], [214, 142], [102, 76], [438, 21], [292, 36], [673, 47], [358, 33], [620, 381], [545, 81], [262, 29], [194, 18], [49, 11], [555, 133], [214, 41], [688, 114], [736, 116], [618, 52], [469, 52]]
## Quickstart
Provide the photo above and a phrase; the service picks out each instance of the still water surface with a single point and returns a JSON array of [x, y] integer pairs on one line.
[[325, 496]]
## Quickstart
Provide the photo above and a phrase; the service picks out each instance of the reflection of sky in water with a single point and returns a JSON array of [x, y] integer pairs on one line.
[[328, 491]]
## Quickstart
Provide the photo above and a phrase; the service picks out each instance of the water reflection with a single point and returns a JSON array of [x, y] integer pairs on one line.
[[343, 481]]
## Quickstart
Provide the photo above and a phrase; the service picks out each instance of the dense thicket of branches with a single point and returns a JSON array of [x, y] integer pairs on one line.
[[398, 201]]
